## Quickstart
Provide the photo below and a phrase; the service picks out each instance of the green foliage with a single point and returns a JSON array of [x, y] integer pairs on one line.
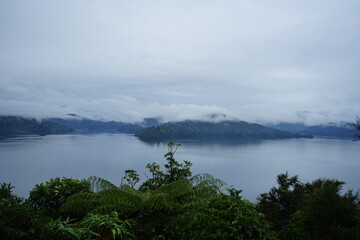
[[174, 170], [281, 202], [205, 187], [156, 179], [150, 211], [16, 217], [107, 226], [98, 184], [93, 226], [223, 217], [131, 178], [326, 214], [79, 204], [49, 196], [64, 230], [166, 197], [128, 201], [315, 210]]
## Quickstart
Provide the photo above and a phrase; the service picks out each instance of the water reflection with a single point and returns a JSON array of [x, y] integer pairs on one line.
[[20, 138], [222, 143]]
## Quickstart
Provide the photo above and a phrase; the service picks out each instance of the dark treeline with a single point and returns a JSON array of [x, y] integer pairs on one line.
[[13, 125], [175, 204], [215, 130]]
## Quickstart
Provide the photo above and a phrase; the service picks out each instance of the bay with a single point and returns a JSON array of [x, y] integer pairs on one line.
[[248, 165]]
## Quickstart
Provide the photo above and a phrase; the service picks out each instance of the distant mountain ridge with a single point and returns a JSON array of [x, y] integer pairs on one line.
[[83, 125], [335, 130], [14, 125], [199, 129], [216, 126]]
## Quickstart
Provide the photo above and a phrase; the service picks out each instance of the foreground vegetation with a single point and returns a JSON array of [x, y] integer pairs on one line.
[[175, 204]]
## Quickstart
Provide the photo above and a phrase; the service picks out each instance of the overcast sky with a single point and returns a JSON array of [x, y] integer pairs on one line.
[[255, 60]]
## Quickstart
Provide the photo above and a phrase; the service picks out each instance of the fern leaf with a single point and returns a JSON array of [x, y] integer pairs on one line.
[[99, 184], [121, 197], [80, 203]]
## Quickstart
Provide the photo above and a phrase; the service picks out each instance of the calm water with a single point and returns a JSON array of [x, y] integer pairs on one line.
[[248, 165]]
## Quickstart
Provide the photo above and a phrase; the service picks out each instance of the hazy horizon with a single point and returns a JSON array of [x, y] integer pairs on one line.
[[278, 61]]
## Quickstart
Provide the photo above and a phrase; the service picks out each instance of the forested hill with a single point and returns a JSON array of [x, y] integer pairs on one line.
[[224, 129], [94, 126], [84, 125], [12, 126], [340, 130]]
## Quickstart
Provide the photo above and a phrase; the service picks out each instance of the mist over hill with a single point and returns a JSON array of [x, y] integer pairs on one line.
[[210, 126]]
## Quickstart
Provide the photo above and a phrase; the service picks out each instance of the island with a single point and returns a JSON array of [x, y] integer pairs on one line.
[[189, 129]]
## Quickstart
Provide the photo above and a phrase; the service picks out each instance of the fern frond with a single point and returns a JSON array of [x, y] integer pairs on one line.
[[165, 197], [128, 197], [207, 181], [106, 209], [125, 201], [176, 189], [80, 203], [99, 184], [158, 201]]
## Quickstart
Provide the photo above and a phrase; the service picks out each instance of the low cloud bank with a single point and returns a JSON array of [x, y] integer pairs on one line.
[[129, 109]]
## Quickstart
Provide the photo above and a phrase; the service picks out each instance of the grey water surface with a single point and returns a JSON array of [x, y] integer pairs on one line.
[[248, 165]]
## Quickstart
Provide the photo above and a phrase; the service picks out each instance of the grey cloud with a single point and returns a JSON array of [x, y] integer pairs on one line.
[[253, 60]]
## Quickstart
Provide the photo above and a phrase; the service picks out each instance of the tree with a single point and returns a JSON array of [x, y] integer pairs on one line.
[[131, 178], [174, 170], [49, 196], [281, 202], [326, 214], [16, 217], [315, 210]]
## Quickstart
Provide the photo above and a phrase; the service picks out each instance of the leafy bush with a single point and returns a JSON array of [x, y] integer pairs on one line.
[[326, 214], [174, 170], [49, 196], [93, 226], [315, 210], [223, 217], [16, 217]]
